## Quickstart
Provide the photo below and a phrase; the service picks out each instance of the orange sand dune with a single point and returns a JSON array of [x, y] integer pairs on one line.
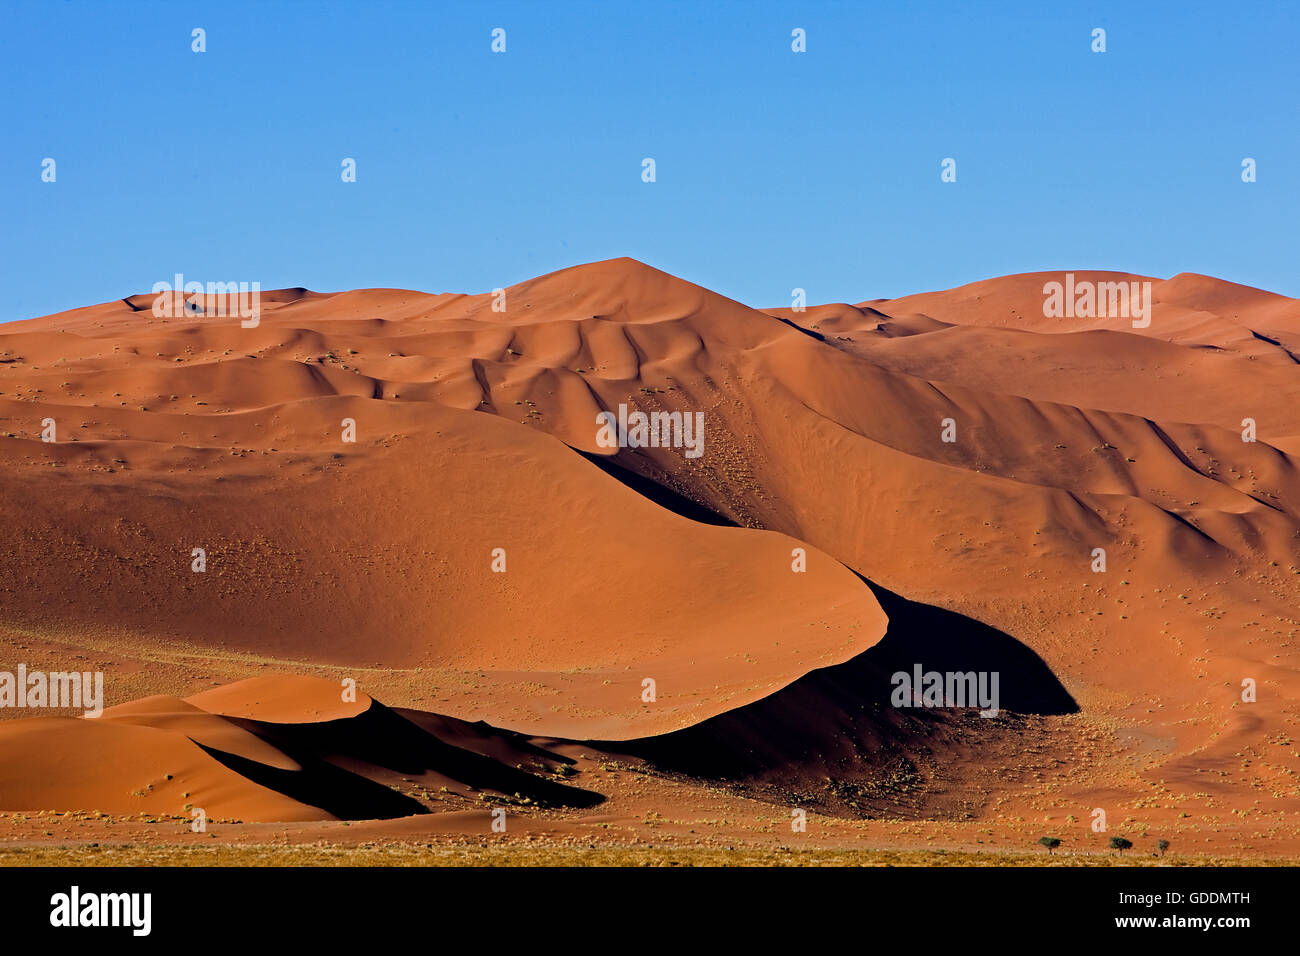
[[380, 553], [824, 430], [308, 756], [1215, 352], [282, 699]]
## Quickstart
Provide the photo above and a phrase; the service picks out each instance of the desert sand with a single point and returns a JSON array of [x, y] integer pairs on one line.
[[501, 586]]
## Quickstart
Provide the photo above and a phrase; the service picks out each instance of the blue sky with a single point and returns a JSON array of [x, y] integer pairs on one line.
[[774, 169]]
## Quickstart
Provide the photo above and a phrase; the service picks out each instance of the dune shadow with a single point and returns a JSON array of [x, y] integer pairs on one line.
[[841, 720], [663, 496], [320, 784], [945, 641], [385, 740], [925, 634]]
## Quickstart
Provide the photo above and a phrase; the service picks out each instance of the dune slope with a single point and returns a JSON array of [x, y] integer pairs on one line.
[[962, 451]]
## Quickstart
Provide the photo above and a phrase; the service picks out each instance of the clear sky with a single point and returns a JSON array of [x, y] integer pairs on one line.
[[774, 169]]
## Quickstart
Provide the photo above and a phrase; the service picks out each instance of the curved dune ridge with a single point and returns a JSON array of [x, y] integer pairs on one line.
[[303, 757], [476, 430]]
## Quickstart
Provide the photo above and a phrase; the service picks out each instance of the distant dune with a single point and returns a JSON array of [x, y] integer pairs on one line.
[[735, 615]]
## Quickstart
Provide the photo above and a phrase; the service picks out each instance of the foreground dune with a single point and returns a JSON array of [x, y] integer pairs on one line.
[[306, 757], [823, 447]]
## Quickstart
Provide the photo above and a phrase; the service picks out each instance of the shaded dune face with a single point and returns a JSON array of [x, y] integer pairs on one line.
[[166, 756], [834, 740], [823, 431]]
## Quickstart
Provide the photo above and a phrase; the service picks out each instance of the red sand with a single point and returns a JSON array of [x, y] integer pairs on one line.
[[373, 560]]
